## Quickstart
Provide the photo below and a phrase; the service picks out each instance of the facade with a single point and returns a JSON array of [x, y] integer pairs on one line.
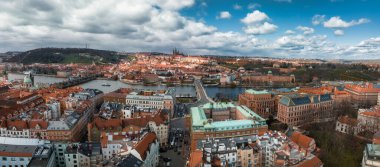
[[364, 94], [223, 120], [262, 102], [20, 151], [83, 155], [268, 79], [155, 101], [300, 109], [347, 125], [369, 119], [161, 130]]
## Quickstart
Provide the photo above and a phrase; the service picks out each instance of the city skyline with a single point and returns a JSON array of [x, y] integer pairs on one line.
[[329, 29]]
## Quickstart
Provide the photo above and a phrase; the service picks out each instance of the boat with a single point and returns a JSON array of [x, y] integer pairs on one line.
[[106, 84]]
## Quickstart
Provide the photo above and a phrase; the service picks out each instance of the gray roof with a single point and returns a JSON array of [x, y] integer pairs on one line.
[[18, 148]]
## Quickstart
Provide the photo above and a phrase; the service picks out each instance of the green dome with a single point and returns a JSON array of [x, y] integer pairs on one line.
[[269, 72]]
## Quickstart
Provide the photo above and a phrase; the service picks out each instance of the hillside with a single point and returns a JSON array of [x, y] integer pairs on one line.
[[66, 55]]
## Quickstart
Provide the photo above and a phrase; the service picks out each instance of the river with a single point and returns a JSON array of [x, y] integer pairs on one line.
[[212, 91]]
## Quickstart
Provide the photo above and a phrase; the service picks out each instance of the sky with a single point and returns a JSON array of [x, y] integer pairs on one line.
[[324, 29]]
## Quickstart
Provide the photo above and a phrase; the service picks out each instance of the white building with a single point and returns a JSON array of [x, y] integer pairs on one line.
[[54, 111], [156, 101], [347, 125], [161, 130], [83, 155], [19, 151], [17, 129], [115, 145], [146, 150]]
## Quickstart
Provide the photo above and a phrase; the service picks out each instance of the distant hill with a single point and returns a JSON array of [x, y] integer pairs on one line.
[[66, 55]]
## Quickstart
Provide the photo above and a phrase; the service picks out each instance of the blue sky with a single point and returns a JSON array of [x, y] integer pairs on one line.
[[288, 15], [326, 29]]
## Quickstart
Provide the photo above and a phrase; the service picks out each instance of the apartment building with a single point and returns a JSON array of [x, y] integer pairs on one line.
[[300, 109], [365, 94], [262, 102], [20, 151], [155, 101], [266, 150]]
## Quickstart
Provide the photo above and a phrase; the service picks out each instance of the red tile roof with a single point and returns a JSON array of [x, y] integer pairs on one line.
[[347, 120], [143, 146], [300, 139], [195, 158]]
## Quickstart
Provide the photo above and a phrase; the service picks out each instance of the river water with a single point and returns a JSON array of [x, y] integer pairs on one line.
[[212, 91]]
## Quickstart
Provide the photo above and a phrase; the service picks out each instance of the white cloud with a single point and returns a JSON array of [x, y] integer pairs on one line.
[[337, 22], [306, 30], [253, 6], [338, 32], [254, 17], [156, 25], [318, 19], [224, 15], [288, 32], [258, 29], [256, 23], [237, 7]]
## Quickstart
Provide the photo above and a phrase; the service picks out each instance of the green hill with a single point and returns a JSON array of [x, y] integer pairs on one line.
[[66, 55]]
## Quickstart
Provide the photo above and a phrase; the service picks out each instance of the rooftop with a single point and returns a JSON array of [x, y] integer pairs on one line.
[[17, 150], [201, 122]]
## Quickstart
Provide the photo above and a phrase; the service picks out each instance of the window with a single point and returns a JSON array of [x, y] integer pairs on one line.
[[4, 158], [13, 159], [21, 159]]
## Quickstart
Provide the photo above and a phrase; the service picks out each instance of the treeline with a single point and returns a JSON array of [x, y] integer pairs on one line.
[[65, 55]]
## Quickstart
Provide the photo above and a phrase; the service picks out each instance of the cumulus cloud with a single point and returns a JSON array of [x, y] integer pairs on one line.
[[265, 28], [338, 32], [156, 25], [224, 15], [305, 30], [256, 23], [337, 22], [254, 17]]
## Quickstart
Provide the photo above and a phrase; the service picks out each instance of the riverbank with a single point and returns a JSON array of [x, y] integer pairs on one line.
[[44, 75]]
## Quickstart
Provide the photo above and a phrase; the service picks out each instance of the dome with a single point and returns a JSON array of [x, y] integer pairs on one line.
[[269, 72]]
